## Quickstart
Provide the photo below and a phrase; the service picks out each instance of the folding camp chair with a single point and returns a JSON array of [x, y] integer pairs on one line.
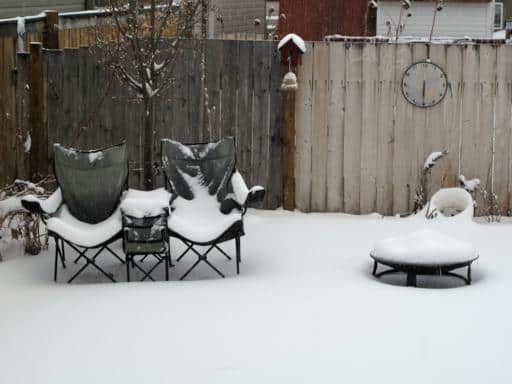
[[210, 198], [84, 211]]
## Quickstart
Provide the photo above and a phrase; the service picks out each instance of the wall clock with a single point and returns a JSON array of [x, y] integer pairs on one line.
[[424, 84]]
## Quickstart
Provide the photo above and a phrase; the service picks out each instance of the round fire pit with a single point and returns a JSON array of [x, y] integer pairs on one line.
[[424, 252]]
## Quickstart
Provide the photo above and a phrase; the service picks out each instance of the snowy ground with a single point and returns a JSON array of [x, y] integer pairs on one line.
[[304, 310]]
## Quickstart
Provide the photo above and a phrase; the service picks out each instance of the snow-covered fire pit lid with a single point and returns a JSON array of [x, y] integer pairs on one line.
[[424, 247]]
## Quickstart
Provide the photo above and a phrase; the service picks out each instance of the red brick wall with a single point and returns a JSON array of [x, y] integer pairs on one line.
[[314, 19]]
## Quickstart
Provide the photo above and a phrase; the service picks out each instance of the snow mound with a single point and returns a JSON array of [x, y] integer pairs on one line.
[[200, 219], [49, 205], [11, 204], [424, 247], [297, 40], [142, 204], [450, 202], [84, 234]]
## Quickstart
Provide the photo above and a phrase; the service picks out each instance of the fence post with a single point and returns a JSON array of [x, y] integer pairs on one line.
[[23, 116], [89, 4], [51, 30], [37, 113], [288, 135]]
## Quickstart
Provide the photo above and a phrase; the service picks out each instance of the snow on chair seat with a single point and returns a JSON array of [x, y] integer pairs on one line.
[[142, 204], [201, 221], [425, 251], [84, 234]]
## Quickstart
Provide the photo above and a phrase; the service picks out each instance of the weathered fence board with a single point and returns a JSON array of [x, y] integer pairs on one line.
[[385, 134], [452, 116], [502, 129], [385, 140], [403, 136], [88, 108], [485, 124], [435, 134], [303, 129], [352, 130], [320, 132], [335, 127], [275, 179], [8, 142], [470, 103], [368, 194]]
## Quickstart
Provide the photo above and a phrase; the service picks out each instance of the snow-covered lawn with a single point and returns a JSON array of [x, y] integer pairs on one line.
[[305, 309]]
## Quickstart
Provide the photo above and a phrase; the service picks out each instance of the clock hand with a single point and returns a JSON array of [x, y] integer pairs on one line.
[[424, 89]]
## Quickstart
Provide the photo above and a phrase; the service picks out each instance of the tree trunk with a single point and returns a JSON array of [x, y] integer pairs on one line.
[[148, 134]]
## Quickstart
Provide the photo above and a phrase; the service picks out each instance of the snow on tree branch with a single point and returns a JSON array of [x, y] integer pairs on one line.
[[431, 160]]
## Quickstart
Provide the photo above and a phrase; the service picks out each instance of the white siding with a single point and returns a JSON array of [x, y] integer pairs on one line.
[[12, 8], [456, 20]]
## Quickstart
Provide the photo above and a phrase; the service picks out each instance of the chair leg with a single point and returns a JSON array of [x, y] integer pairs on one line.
[[167, 262], [190, 269], [128, 268], [90, 261], [56, 260], [169, 254], [222, 251], [114, 254], [238, 257], [189, 247], [63, 255], [202, 257]]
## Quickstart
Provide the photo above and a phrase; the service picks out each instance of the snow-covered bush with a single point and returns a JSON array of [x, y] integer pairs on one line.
[[15, 222], [492, 208], [420, 197]]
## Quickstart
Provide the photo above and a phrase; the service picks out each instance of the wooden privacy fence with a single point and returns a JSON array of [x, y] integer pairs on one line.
[[52, 30], [361, 145], [87, 108]]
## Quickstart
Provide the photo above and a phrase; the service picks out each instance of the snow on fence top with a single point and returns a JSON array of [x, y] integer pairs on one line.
[[413, 39]]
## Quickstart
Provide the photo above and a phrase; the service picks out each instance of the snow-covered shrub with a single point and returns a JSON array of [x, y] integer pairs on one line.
[[492, 208], [15, 222], [420, 197]]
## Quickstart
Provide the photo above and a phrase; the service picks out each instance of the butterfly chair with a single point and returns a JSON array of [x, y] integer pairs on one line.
[[209, 198], [84, 211]]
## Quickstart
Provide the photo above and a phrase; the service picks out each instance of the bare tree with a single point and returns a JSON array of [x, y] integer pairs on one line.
[[141, 46]]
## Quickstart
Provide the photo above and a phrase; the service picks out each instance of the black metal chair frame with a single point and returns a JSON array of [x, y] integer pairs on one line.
[[60, 243], [146, 223], [412, 271], [235, 232]]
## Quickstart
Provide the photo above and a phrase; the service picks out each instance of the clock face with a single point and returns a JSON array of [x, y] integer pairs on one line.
[[424, 84]]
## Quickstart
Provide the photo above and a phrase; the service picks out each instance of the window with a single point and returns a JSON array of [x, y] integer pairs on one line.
[[498, 16]]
